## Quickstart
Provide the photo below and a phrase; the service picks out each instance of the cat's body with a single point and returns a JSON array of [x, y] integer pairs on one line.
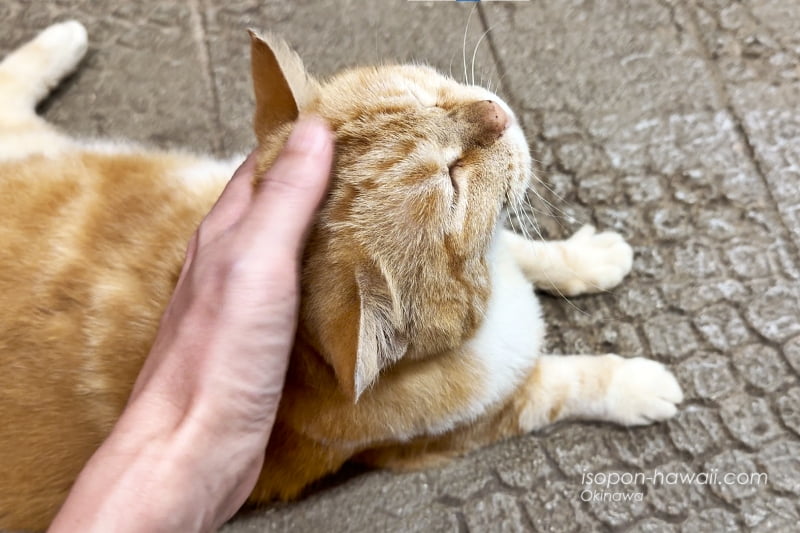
[[420, 333]]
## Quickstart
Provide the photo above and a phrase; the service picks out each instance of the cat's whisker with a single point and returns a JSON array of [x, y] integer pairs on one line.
[[555, 209], [547, 212], [526, 203], [475, 52], [554, 286], [500, 82], [464, 44], [546, 186], [530, 218], [450, 67], [524, 219], [518, 220], [547, 203]]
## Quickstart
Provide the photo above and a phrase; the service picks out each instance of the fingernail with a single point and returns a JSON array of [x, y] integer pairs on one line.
[[310, 135]]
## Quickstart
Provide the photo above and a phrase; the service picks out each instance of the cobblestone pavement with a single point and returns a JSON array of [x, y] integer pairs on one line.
[[671, 121]]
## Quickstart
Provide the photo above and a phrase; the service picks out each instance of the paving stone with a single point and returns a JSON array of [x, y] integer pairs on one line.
[[620, 338], [707, 376], [615, 505], [653, 525], [627, 222], [749, 419], [792, 352], [671, 495], [693, 298], [559, 182], [761, 366], [642, 189], [774, 312], [749, 261], [670, 336], [697, 430], [698, 259], [580, 313], [639, 301], [555, 508], [641, 448], [578, 449], [782, 461], [781, 256], [460, 480], [597, 188], [520, 463], [495, 513], [651, 262], [711, 520], [732, 462], [789, 409], [770, 514], [580, 158], [433, 517], [670, 222], [560, 123], [725, 225], [722, 327]]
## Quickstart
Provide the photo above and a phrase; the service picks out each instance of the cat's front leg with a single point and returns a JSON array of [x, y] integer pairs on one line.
[[607, 388], [586, 262], [610, 388]]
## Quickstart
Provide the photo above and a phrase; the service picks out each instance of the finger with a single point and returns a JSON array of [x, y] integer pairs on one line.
[[231, 204], [284, 205]]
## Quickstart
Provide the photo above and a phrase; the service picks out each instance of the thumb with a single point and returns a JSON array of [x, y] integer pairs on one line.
[[284, 205]]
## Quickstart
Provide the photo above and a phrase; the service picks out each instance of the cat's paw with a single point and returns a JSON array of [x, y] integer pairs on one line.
[[67, 43], [596, 261], [642, 391]]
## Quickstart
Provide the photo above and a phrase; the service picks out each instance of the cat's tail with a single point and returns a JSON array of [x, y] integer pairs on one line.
[[31, 71]]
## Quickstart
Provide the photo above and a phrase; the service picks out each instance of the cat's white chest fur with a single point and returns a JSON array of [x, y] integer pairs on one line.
[[509, 340], [510, 337]]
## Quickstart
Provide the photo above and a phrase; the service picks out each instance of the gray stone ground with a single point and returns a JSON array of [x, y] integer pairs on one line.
[[671, 121]]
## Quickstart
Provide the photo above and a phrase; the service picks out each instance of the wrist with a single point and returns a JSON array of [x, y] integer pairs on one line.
[[152, 474], [134, 487]]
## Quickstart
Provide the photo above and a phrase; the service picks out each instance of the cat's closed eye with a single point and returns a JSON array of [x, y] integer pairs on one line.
[[455, 170]]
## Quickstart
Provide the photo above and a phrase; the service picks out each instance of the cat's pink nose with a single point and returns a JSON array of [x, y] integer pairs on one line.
[[485, 120], [493, 117]]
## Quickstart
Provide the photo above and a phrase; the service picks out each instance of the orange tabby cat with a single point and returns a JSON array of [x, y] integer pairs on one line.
[[420, 332]]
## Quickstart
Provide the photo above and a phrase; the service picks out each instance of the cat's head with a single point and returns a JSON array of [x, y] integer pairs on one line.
[[396, 265]]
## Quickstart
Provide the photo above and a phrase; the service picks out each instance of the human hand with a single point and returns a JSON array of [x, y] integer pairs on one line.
[[189, 446]]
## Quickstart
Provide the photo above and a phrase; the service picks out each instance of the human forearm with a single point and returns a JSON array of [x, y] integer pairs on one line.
[[155, 480]]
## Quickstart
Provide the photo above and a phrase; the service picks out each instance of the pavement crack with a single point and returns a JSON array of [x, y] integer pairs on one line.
[[204, 52], [721, 91]]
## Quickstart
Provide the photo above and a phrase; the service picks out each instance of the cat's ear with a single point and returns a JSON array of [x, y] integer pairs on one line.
[[380, 343], [282, 85]]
